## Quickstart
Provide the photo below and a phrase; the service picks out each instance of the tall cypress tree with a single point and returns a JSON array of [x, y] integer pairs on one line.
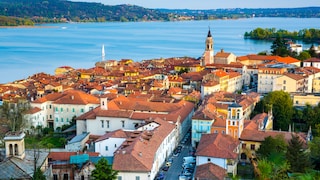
[[297, 157]]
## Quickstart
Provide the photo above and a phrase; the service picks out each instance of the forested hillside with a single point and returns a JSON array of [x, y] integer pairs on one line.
[[22, 12], [42, 11]]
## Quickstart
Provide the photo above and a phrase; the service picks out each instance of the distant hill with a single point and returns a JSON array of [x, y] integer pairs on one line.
[[303, 12], [21, 12], [42, 11]]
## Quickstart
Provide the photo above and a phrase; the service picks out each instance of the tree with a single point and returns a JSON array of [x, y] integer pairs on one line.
[[279, 47], [282, 108], [304, 55], [270, 146], [14, 114], [296, 155], [38, 175], [104, 171], [314, 146], [265, 168]]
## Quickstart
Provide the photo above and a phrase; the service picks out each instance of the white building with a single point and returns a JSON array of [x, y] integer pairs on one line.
[[124, 113], [58, 109], [312, 62], [219, 149], [107, 144], [142, 155]]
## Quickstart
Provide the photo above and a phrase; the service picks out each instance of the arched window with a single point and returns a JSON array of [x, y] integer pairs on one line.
[[16, 150], [10, 150]]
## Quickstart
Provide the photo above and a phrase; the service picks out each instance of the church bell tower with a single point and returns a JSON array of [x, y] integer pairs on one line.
[[208, 57]]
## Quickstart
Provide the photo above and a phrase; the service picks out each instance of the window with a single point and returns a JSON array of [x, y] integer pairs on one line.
[[223, 132], [209, 159], [73, 110], [284, 81], [57, 119], [61, 119], [119, 177], [233, 123], [50, 106], [244, 145], [108, 123], [90, 108], [61, 109], [50, 116], [57, 109], [65, 177], [107, 149], [67, 119], [102, 123], [10, 150], [82, 110], [253, 147], [137, 177], [122, 123], [55, 177], [284, 88]]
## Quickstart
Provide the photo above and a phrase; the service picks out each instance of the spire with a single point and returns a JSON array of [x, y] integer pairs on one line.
[[103, 53], [209, 33]]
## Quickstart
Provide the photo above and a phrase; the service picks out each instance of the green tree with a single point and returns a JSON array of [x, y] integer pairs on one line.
[[270, 145], [314, 147], [38, 175], [279, 47], [104, 171], [304, 55], [265, 168], [297, 157], [282, 108]]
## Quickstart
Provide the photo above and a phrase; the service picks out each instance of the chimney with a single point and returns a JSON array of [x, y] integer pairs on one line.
[[72, 97]]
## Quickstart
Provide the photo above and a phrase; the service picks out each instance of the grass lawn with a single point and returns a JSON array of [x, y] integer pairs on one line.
[[48, 141]]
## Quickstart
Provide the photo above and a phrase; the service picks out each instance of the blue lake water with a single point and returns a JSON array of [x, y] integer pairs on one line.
[[25, 51]]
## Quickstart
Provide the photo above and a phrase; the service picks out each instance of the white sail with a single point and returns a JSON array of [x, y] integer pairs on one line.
[[103, 54]]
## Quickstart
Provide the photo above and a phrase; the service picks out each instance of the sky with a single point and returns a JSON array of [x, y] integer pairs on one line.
[[211, 4]]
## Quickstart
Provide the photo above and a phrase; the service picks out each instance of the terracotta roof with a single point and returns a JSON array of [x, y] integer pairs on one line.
[[77, 97], [259, 136], [33, 110], [65, 156], [222, 55], [138, 155], [217, 145], [295, 76], [122, 107], [49, 97], [312, 60], [114, 134], [220, 73], [210, 171]]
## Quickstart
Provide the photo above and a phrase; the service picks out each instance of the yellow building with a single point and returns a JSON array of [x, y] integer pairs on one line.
[[63, 70], [304, 99]]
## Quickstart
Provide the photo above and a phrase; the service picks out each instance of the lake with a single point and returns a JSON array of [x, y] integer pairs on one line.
[[26, 51]]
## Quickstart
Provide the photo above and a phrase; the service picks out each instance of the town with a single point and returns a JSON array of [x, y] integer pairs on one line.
[[142, 116]]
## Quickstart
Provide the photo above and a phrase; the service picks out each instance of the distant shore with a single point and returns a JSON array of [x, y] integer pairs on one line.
[[35, 26]]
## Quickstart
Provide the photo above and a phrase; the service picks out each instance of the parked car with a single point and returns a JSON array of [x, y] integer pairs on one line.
[[160, 176], [165, 168]]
